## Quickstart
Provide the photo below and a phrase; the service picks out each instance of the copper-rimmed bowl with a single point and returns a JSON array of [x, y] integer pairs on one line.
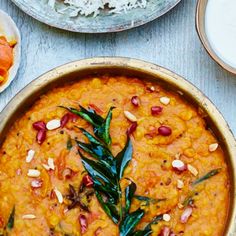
[[146, 71], [200, 26]]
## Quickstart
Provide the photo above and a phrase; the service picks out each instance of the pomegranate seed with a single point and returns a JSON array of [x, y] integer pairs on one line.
[[156, 110], [65, 119], [87, 181], [52, 194], [68, 173], [179, 165], [132, 128], [135, 101], [39, 125], [73, 117], [186, 214], [164, 130], [165, 231], [36, 183], [41, 136], [83, 223]]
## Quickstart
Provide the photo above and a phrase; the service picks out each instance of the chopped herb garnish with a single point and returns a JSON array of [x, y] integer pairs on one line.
[[189, 199], [69, 144], [11, 220], [148, 200], [207, 176]]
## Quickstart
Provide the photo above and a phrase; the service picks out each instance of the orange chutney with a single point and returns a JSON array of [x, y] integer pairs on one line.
[[172, 148], [6, 57]]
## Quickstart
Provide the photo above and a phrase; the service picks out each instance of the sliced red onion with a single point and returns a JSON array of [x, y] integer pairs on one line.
[[39, 125], [186, 214], [135, 101], [164, 130], [132, 128], [87, 181], [98, 231], [36, 183], [83, 223], [41, 136], [156, 110], [179, 165]]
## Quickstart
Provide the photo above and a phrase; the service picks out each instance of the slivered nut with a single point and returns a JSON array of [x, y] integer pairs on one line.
[[179, 165], [30, 156], [59, 195], [130, 116], [29, 217], [53, 124], [33, 173], [192, 169], [165, 100], [212, 147], [180, 184]]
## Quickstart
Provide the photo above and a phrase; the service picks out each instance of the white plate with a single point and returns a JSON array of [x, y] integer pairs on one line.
[[105, 22]]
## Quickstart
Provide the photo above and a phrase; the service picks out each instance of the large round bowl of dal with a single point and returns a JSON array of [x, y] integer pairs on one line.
[[96, 16], [115, 146]]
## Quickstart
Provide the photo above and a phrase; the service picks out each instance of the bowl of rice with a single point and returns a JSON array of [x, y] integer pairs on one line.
[[95, 16]]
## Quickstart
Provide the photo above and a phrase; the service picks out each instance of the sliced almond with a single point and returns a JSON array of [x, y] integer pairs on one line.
[[165, 100], [33, 173], [53, 124], [180, 184], [192, 169], [179, 165], [130, 116], [28, 217], [180, 206], [51, 164], [30, 156], [45, 166], [59, 195], [177, 155], [166, 217], [212, 147]]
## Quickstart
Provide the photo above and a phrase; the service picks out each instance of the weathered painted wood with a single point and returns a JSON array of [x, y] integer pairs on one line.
[[170, 41]]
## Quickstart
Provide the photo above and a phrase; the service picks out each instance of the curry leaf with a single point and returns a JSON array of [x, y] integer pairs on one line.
[[130, 221], [123, 158], [148, 230], [101, 126], [148, 200], [11, 220], [129, 194], [109, 208], [69, 144], [207, 176]]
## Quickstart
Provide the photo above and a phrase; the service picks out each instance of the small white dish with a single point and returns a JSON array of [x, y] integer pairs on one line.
[[9, 29]]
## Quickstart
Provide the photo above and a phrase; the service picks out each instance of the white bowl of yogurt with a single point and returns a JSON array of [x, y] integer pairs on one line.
[[216, 27]]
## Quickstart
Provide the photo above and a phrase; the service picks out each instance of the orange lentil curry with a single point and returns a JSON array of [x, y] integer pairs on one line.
[[112, 156]]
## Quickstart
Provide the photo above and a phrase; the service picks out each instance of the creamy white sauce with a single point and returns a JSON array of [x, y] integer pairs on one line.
[[220, 25]]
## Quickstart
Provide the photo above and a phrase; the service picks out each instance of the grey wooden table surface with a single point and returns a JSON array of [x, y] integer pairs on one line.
[[170, 41]]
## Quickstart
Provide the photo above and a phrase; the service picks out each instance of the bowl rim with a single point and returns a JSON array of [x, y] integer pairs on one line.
[[200, 28], [147, 69]]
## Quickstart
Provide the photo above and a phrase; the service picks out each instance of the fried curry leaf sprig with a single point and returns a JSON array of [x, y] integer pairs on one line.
[[100, 125], [106, 172]]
